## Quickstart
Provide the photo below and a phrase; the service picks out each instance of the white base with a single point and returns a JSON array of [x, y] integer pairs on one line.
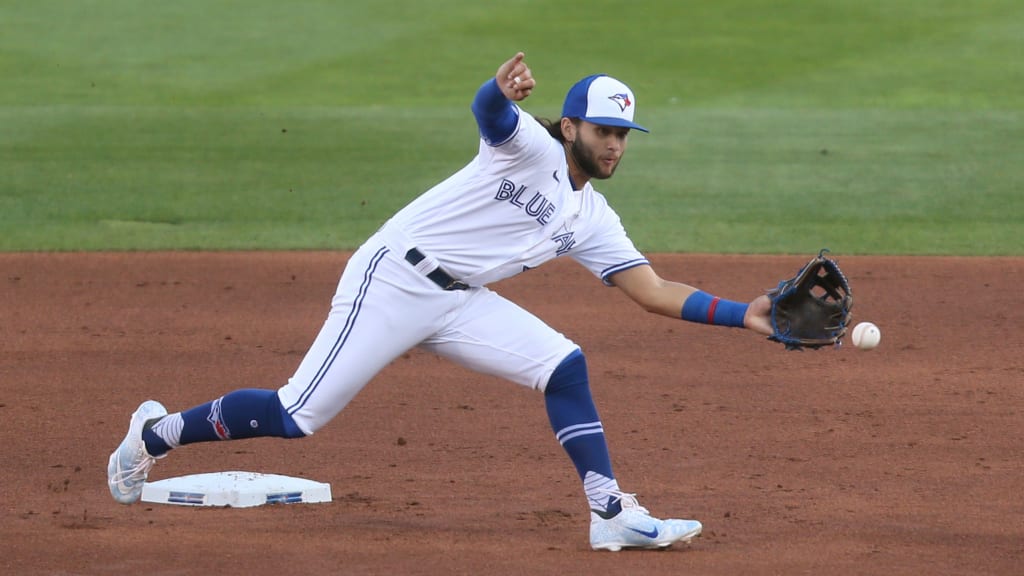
[[235, 489]]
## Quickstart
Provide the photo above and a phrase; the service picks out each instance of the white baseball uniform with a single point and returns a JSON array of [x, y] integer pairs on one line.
[[510, 209]]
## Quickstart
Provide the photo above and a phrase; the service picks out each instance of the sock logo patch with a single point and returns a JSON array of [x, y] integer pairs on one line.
[[216, 419]]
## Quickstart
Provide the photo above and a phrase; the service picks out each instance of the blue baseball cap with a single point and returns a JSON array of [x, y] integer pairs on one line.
[[601, 99]]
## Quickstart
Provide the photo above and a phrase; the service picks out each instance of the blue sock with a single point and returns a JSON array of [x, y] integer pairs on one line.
[[577, 427], [247, 413]]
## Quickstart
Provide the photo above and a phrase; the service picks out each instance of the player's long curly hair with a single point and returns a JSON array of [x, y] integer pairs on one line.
[[553, 127]]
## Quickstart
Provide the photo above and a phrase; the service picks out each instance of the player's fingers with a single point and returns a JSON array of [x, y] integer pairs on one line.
[[521, 86], [527, 84], [506, 70], [515, 78], [520, 94], [520, 73], [522, 79]]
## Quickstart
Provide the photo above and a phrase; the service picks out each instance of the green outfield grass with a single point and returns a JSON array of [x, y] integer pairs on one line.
[[866, 126]]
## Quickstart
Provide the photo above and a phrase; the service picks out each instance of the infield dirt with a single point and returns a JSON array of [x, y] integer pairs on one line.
[[902, 460]]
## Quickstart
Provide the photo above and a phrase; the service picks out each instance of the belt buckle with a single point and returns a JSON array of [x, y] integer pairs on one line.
[[457, 285]]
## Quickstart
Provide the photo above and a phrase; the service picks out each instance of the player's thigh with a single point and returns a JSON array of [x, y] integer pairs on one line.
[[495, 336], [381, 309]]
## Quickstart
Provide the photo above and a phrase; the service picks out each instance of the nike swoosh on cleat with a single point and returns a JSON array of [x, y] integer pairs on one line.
[[650, 534]]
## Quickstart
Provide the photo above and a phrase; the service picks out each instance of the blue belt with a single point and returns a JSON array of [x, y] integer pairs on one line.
[[437, 275]]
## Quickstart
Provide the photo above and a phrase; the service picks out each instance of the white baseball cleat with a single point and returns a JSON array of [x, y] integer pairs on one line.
[[130, 464], [634, 527]]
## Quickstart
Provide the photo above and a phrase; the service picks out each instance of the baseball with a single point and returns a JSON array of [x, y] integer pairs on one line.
[[866, 335]]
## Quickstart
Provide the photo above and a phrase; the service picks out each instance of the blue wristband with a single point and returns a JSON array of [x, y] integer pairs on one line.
[[707, 309]]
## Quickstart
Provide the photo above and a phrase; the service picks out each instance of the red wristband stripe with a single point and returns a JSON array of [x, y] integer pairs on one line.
[[711, 309]]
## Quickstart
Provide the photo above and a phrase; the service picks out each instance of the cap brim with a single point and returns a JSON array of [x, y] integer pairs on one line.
[[618, 122]]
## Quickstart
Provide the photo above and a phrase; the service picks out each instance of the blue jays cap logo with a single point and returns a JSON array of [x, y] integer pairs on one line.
[[602, 100], [622, 100]]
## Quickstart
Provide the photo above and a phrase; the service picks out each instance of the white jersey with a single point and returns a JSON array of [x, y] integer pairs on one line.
[[510, 209]]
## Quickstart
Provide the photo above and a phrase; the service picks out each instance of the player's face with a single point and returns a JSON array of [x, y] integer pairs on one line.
[[598, 149]]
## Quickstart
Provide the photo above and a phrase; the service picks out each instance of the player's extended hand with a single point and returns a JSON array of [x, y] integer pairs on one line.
[[515, 79], [758, 317]]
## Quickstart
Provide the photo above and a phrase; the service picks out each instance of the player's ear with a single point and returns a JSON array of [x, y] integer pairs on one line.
[[568, 130]]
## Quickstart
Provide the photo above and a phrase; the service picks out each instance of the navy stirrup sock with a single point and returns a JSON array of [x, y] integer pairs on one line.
[[578, 428], [247, 413]]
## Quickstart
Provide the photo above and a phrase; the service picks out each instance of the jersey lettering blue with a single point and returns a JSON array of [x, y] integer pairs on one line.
[[565, 243], [539, 207]]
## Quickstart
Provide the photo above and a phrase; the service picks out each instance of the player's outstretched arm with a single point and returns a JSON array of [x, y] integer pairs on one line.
[[496, 114], [515, 78], [678, 300], [758, 317]]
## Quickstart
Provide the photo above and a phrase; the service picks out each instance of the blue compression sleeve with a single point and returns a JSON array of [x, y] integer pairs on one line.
[[579, 430], [245, 413], [574, 417], [496, 116], [248, 413], [707, 309]]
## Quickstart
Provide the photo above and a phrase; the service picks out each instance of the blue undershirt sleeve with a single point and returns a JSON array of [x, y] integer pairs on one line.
[[496, 116]]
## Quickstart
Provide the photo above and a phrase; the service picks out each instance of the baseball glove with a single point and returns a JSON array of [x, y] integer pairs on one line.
[[812, 309]]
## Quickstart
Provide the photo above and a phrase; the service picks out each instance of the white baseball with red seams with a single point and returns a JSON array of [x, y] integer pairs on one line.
[[866, 336]]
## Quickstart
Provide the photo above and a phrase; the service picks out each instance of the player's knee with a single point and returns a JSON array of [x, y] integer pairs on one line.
[[287, 425], [572, 371]]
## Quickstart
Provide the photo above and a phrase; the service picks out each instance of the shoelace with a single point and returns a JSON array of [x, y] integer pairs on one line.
[[628, 500], [139, 471]]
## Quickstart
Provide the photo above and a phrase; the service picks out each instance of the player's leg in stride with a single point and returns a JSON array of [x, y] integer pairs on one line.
[[153, 432], [617, 520]]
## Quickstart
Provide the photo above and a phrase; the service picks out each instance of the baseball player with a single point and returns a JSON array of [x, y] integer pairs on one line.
[[421, 280]]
